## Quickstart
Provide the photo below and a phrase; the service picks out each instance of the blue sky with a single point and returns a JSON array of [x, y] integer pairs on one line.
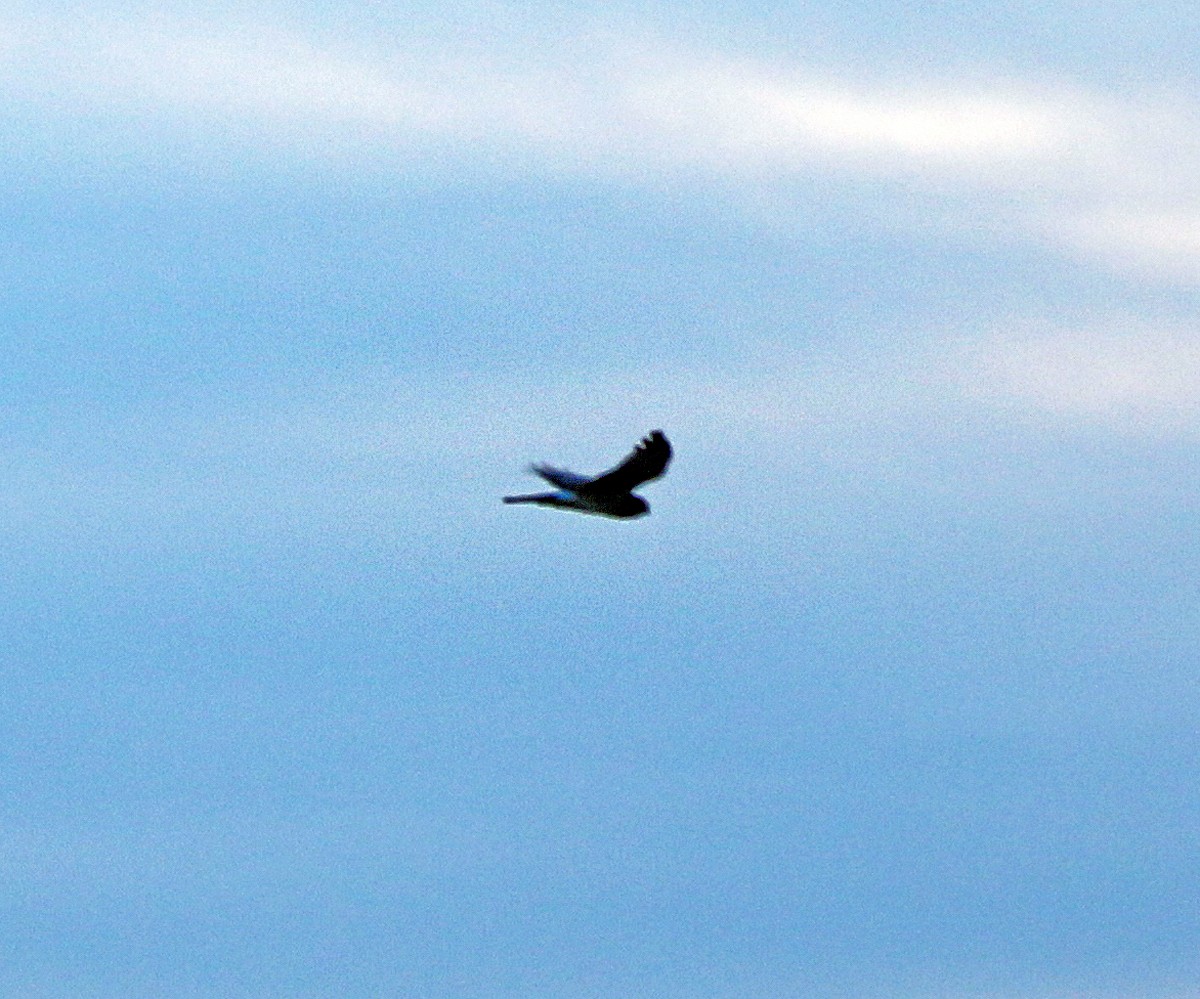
[[893, 695]]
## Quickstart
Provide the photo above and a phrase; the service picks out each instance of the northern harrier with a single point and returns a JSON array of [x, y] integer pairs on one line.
[[610, 494]]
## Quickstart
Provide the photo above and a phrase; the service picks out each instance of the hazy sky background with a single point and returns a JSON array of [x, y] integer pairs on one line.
[[893, 695]]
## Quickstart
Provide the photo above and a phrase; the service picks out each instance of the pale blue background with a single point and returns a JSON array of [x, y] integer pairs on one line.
[[893, 695]]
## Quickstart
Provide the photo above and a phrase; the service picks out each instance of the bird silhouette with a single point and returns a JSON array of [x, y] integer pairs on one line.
[[610, 494]]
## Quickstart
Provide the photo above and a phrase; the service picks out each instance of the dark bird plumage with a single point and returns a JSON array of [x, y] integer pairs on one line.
[[609, 494]]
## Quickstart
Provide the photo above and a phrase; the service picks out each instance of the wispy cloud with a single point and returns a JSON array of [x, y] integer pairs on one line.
[[1114, 180], [1135, 379], [742, 116], [605, 98], [1152, 241]]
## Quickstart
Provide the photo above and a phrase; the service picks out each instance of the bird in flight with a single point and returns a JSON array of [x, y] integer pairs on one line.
[[610, 494]]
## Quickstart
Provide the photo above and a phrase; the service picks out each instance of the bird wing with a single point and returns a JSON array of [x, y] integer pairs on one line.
[[563, 499], [560, 477], [647, 461]]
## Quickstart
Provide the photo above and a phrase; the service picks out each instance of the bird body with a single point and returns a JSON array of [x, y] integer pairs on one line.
[[610, 494]]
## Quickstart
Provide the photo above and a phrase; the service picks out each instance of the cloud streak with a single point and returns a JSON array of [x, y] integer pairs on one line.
[[1136, 380], [589, 98], [1111, 180]]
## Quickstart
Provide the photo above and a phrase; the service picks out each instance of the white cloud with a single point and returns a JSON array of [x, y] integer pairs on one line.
[[746, 116], [1153, 242], [1113, 180], [1117, 182], [1135, 379], [593, 98]]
